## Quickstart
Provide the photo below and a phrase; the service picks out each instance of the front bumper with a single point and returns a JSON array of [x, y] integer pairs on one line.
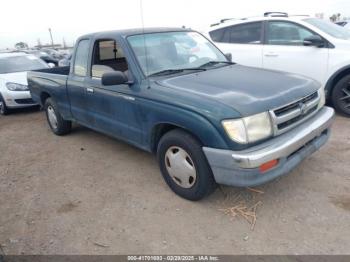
[[18, 99], [241, 168]]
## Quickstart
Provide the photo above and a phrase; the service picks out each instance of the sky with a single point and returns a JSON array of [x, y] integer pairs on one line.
[[29, 20]]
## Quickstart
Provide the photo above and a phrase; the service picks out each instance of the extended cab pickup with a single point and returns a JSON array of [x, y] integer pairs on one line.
[[173, 93]]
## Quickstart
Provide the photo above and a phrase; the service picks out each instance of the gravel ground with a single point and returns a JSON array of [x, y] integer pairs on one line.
[[86, 193]]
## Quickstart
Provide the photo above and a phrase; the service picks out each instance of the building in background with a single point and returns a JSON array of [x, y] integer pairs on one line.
[[319, 15]]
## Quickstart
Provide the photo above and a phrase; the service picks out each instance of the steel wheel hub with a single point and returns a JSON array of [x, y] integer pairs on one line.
[[180, 167], [52, 116]]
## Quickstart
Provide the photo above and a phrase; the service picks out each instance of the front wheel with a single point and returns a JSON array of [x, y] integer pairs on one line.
[[58, 125], [184, 165], [3, 108], [341, 96]]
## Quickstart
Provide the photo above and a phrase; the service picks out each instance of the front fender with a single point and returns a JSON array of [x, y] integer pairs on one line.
[[154, 113]]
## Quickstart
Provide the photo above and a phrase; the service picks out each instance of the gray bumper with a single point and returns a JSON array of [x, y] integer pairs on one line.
[[241, 168]]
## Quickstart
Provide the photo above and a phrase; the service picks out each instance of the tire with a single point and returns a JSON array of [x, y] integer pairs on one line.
[[341, 96], [197, 181], [58, 125], [3, 108]]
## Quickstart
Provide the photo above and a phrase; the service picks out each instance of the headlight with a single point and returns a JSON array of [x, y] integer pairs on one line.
[[16, 87], [322, 96], [249, 129]]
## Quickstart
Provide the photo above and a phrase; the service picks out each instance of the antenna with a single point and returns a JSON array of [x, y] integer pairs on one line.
[[144, 40]]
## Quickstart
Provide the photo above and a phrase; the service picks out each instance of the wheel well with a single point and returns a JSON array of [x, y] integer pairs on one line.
[[43, 97], [335, 80], [160, 130]]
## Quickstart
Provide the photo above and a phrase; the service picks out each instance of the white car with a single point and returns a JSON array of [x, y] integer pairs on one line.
[[14, 92], [297, 44]]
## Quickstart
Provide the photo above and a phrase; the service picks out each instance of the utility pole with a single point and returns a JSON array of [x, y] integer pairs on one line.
[[51, 37]]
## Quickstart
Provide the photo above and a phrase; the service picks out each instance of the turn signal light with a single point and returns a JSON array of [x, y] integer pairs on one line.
[[268, 165]]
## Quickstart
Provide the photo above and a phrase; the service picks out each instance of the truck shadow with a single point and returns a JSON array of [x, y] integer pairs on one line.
[[24, 111], [278, 188]]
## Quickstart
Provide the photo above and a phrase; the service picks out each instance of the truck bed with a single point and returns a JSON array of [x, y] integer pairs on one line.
[[50, 82]]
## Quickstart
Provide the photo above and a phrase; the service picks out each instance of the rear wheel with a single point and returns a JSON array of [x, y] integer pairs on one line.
[[341, 96], [58, 125], [3, 108], [184, 165]]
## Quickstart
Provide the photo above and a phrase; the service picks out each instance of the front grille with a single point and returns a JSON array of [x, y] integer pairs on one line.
[[24, 101], [292, 106], [288, 116], [296, 119]]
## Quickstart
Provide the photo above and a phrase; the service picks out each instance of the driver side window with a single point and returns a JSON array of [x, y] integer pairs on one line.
[[286, 33], [107, 56]]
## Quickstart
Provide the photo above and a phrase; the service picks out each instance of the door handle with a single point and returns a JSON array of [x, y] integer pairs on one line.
[[271, 55], [89, 89]]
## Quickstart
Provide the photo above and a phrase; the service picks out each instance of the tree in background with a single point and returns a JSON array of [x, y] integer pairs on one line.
[[21, 45], [335, 17]]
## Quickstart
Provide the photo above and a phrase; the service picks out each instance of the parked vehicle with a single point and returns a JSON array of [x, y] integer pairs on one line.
[[43, 56], [53, 53], [173, 93], [298, 44], [65, 52], [14, 92], [65, 61]]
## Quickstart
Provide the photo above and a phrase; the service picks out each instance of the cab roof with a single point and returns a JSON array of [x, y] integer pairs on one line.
[[135, 31]]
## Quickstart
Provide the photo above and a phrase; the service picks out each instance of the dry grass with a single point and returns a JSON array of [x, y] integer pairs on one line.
[[242, 206]]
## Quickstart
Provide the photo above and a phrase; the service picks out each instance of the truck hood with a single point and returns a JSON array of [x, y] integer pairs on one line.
[[18, 77], [248, 90]]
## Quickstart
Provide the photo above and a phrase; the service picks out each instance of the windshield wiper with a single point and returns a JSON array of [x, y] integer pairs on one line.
[[174, 71], [215, 62]]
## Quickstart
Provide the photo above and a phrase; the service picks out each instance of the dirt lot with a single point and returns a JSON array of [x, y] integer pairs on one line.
[[86, 193]]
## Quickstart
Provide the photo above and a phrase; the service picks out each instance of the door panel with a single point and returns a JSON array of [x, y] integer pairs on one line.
[[244, 54], [308, 61], [284, 51], [113, 110]]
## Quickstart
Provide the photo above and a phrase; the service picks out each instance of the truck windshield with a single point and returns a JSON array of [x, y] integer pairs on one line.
[[174, 51], [20, 64], [329, 28]]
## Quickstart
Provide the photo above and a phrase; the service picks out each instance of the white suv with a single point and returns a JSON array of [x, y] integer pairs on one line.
[[297, 44]]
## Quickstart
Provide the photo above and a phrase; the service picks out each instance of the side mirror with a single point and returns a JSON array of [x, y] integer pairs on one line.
[[314, 40], [51, 65], [229, 57], [114, 78]]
